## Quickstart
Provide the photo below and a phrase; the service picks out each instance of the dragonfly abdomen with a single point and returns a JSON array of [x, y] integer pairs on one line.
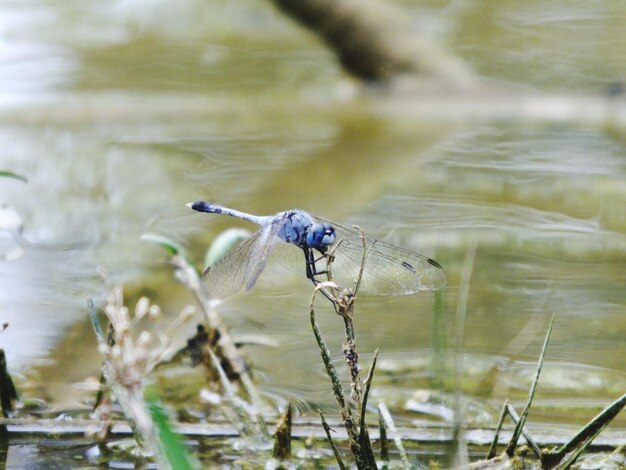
[[203, 206]]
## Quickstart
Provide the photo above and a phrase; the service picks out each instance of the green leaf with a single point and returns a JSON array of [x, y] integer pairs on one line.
[[10, 174], [224, 243], [174, 451], [168, 245]]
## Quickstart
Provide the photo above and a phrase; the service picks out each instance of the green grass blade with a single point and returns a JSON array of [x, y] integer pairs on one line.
[[170, 246], [510, 449], [174, 451], [10, 174]]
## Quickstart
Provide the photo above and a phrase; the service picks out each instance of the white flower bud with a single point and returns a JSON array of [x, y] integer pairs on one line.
[[141, 309], [144, 339], [188, 311], [154, 312]]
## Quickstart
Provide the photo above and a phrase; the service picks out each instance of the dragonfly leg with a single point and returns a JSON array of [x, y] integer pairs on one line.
[[311, 268], [311, 272], [321, 257], [316, 272], [310, 264]]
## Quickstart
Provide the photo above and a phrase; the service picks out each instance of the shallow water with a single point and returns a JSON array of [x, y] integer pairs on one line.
[[118, 116]]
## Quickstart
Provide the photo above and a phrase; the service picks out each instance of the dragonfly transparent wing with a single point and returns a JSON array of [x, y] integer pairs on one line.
[[242, 266], [389, 270]]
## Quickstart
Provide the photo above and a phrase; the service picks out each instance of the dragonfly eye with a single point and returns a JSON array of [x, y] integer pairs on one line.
[[320, 235]]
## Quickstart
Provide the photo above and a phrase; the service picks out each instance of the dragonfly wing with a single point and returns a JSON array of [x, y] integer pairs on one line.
[[389, 270], [257, 260], [240, 267]]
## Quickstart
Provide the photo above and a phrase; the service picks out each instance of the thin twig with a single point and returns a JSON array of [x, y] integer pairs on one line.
[[368, 384], [191, 279], [364, 436], [95, 323], [529, 440], [325, 352], [461, 456], [167, 338], [330, 258], [386, 416], [343, 302], [332, 442], [248, 422], [384, 442], [333, 290], [492, 449], [352, 359], [346, 414], [510, 449], [440, 337], [366, 250]]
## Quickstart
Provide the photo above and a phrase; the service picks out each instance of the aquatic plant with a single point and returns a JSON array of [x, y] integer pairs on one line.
[[130, 354]]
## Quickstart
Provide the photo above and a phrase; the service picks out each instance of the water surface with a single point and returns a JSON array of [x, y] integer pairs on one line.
[[118, 116]]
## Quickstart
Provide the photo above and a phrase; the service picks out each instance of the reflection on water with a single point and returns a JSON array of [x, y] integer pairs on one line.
[[118, 117]]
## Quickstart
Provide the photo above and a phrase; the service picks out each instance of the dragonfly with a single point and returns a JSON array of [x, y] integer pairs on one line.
[[303, 238]]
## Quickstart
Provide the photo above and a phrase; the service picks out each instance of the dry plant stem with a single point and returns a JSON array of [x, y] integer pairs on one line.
[[346, 414], [384, 442], [344, 305], [352, 359], [461, 457], [166, 340], [531, 442], [332, 291], [510, 449], [492, 449], [343, 302], [346, 310], [332, 442], [127, 387], [132, 402], [368, 385], [282, 436], [366, 250], [366, 443], [248, 420], [330, 257], [103, 402], [388, 420], [227, 345]]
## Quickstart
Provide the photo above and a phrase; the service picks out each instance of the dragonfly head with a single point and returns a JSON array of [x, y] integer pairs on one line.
[[320, 236]]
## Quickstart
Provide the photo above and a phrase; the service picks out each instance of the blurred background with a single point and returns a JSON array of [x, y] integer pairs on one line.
[[119, 113]]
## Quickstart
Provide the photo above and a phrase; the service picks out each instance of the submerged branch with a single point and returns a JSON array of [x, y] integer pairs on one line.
[[373, 41]]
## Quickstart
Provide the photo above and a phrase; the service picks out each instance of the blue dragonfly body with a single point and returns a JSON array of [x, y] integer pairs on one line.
[[389, 270]]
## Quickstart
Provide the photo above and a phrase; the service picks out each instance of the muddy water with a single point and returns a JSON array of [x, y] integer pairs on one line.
[[118, 116]]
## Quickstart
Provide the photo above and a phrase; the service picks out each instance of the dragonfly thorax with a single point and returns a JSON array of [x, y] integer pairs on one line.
[[300, 229]]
